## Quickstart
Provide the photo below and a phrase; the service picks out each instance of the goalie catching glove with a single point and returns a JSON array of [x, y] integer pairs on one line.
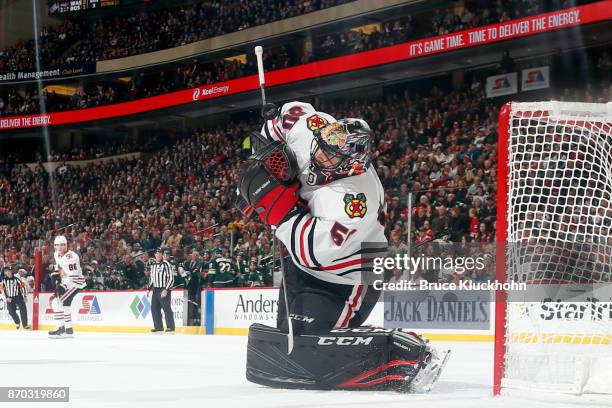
[[268, 184]]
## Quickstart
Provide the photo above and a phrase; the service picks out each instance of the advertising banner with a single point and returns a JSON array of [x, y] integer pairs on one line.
[[113, 310], [535, 78], [235, 310], [436, 315], [463, 310], [507, 30], [58, 72], [439, 316], [504, 84], [555, 309]]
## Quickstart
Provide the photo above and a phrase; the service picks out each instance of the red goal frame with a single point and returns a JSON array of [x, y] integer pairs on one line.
[[501, 236], [583, 118]]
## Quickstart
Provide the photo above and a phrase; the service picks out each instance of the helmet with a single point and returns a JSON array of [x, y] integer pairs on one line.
[[341, 149], [60, 240]]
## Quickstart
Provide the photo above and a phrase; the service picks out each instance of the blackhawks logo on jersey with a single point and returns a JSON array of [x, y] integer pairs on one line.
[[315, 122], [355, 206]]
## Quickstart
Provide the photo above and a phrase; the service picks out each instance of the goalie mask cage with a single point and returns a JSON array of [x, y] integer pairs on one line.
[[554, 233]]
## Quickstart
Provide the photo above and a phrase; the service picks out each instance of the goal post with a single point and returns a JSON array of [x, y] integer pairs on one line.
[[36, 293], [499, 348], [554, 233]]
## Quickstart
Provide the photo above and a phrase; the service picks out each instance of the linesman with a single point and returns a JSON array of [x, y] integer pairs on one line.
[[161, 281], [14, 292]]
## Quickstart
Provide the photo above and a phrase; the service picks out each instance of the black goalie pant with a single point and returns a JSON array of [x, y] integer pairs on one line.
[[17, 302], [317, 306], [157, 304]]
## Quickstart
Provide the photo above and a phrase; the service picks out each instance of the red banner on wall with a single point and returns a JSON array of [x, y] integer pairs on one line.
[[541, 23]]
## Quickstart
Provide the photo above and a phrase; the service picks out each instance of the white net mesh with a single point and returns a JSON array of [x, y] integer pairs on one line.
[[559, 215]]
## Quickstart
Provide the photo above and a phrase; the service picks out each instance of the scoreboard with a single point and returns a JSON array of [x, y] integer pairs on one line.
[[71, 6]]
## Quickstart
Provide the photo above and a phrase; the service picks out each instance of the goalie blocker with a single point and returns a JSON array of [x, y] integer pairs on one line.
[[360, 358]]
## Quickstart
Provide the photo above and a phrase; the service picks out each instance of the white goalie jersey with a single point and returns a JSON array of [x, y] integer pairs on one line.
[[343, 214], [70, 264]]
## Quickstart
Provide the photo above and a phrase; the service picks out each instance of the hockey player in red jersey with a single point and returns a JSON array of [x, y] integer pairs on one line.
[[315, 184]]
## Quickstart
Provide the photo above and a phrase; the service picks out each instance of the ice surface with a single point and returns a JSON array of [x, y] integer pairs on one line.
[[142, 370]]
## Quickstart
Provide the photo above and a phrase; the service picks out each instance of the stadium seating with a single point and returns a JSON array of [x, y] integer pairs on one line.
[[441, 144], [112, 37]]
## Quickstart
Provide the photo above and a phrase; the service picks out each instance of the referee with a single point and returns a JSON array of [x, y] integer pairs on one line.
[[13, 289], [161, 280]]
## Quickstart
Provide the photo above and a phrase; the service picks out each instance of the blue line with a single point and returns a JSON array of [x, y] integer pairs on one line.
[[210, 311]]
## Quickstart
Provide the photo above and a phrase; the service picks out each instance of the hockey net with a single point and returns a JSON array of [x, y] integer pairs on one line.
[[554, 233]]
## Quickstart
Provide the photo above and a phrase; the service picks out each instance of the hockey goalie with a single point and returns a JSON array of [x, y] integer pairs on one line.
[[312, 180]]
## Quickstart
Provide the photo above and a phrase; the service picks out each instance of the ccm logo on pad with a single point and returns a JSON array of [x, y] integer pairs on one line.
[[344, 341]]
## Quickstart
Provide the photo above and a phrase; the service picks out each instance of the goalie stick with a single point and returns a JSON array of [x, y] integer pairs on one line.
[[268, 112]]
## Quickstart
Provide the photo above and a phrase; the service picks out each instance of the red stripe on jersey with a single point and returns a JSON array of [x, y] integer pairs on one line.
[[303, 256], [347, 263], [276, 130], [349, 313], [67, 293]]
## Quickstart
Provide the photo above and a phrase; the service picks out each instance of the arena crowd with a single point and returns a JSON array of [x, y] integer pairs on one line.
[[439, 144], [77, 43]]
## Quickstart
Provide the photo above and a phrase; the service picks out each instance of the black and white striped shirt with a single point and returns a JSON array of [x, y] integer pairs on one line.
[[162, 275], [12, 286]]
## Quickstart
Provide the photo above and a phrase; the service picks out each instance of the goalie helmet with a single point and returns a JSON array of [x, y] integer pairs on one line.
[[341, 149]]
